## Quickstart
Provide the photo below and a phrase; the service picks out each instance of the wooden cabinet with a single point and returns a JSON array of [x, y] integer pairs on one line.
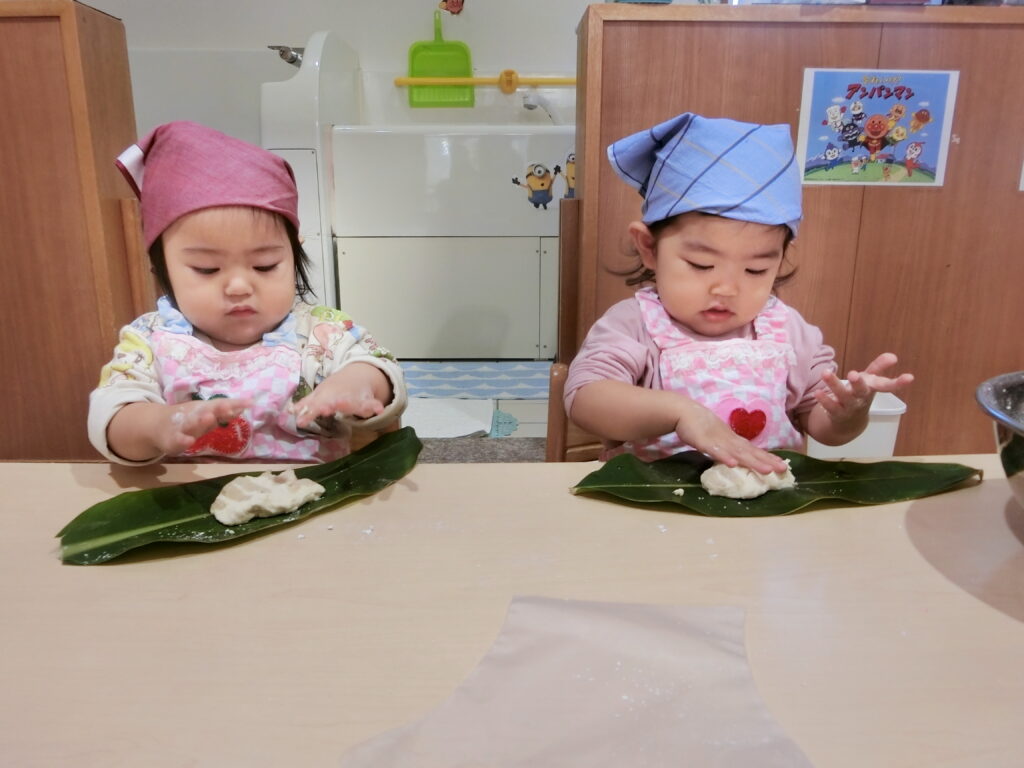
[[932, 274], [72, 268]]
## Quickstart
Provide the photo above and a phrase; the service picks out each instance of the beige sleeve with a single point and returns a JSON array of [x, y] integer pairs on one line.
[[131, 377], [332, 345]]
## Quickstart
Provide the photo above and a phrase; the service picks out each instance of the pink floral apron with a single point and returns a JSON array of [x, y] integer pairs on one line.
[[743, 381], [268, 375]]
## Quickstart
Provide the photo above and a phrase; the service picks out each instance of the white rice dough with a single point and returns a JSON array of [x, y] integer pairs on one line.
[[743, 483], [265, 495]]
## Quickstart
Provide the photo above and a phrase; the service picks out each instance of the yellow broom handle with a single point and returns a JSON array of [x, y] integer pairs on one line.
[[446, 81], [508, 81], [547, 81]]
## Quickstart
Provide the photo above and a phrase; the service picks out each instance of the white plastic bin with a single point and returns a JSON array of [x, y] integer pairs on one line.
[[877, 441]]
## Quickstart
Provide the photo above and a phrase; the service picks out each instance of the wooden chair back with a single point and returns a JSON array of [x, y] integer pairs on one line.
[[565, 440]]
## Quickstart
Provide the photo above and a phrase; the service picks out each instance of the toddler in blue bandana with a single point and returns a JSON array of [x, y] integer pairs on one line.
[[705, 356]]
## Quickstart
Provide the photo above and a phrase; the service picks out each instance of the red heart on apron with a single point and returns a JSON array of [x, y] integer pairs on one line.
[[748, 424]]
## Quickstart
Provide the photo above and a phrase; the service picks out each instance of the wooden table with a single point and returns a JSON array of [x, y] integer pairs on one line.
[[880, 636]]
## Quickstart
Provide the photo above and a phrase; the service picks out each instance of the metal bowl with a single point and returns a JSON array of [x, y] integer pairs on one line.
[[1002, 398]]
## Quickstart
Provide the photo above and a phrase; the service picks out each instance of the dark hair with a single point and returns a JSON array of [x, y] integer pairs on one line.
[[638, 273], [158, 262]]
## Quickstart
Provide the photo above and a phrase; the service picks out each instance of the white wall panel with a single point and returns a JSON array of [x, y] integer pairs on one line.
[[437, 298]]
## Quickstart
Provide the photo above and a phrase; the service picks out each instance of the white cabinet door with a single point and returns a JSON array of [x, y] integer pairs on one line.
[[307, 181], [548, 298], [445, 298], [448, 181]]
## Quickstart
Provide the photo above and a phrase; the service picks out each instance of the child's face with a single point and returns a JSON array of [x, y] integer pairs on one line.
[[713, 274], [232, 272]]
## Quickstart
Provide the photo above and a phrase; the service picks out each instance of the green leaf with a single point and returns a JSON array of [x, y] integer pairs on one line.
[[181, 513], [629, 478]]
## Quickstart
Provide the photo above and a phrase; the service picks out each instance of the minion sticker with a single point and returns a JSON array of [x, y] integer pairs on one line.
[[538, 184], [569, 175]]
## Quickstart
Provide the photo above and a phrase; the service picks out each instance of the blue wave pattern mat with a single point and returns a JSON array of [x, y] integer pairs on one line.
[[503, 380]]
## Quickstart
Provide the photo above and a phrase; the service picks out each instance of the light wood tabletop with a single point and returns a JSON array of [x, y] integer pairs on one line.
[[890, 635]]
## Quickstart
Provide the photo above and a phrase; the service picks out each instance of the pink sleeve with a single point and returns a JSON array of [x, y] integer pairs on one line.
[[813, 357], [617, 347]]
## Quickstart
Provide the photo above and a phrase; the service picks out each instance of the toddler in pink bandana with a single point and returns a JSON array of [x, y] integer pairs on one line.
[[187, 167], [233, 364]]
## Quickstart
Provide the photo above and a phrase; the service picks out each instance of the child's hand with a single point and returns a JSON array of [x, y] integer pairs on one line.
[[146, 431], [707, 433], [843, 410], [352, 391], [182, 424], [325, 402], [848, 403]]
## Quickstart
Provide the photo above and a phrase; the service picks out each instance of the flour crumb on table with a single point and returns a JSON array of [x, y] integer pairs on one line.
[[743, 483], [678, 491], [264, 495]]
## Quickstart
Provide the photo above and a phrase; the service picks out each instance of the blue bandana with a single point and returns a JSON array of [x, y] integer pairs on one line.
[[714, 165]]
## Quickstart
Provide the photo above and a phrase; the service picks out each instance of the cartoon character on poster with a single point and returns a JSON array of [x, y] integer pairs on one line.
[[452, 6], [920, 119], [875, 126], [913, 152], [831, 156]]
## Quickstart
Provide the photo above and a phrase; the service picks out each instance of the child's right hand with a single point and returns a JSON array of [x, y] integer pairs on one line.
[[706, 432], [623, 412], [146, 431], [182, 424]]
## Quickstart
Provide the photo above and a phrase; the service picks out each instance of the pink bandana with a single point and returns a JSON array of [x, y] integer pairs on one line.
[[188, 167]]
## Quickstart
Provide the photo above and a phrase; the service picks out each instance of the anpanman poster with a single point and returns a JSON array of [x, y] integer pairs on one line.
[[875, 126]]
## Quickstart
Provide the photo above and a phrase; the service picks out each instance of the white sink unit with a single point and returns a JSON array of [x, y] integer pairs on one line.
[[422, 234]]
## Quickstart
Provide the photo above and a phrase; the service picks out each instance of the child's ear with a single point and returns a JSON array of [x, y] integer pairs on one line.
[[645, 243]]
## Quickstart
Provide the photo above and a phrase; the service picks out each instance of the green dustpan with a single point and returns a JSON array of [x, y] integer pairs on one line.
[[440, 58]]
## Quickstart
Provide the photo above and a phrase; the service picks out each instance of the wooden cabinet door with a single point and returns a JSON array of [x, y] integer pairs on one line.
[[66, 288], [725, 66], [939, 271], [930, 274]]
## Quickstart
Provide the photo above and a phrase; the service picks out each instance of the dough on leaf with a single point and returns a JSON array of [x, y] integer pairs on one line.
[[264, 495], [743, 483]]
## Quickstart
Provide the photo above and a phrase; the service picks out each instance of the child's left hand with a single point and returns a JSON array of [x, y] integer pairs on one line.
[[847, 403], [353, 391]]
